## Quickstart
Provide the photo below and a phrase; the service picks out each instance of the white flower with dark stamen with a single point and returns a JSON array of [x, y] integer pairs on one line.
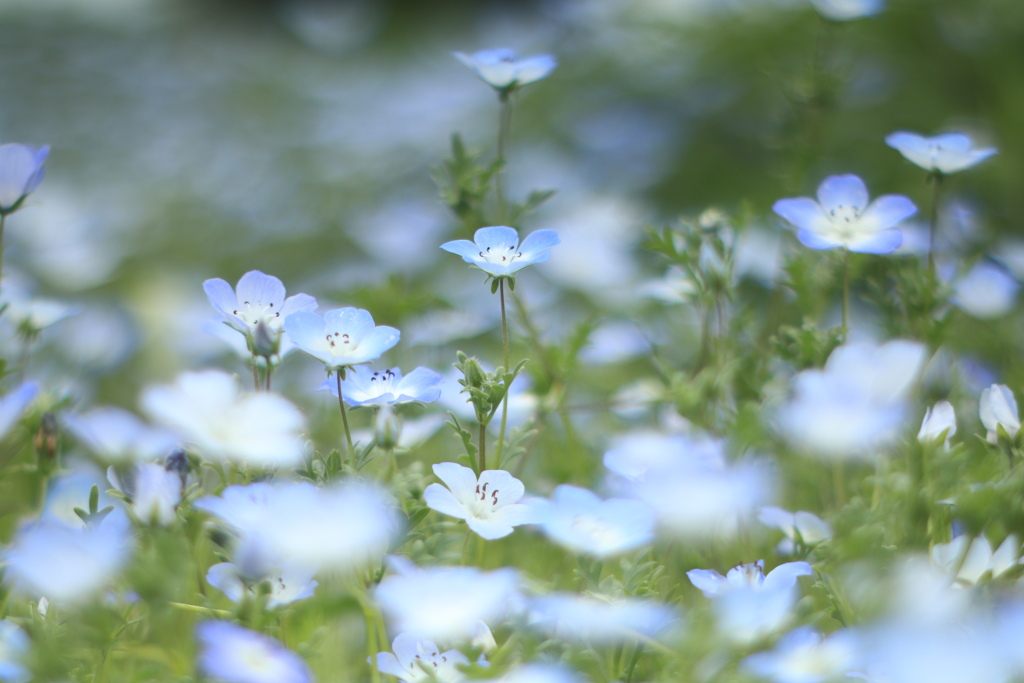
[[577, 519], [257, 298], [286, 586], [231, 653], [489, 504], [362, 387], [502, 70], [847, 10], [842, 217], [496, 250], [418, 659], [14, 404], [342, 337], [998, 408], [946, 153], [115, 435], [968, 564]]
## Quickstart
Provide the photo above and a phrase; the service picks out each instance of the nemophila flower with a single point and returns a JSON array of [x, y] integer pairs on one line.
[[14, 404], [210, 410], [633, 454], [856, 404], [117, 436], [968, 564], [363, 387], [998, 408], [341, 338], [842, 217], [32, 314], [985, 291], [21, 171], [805, 656], [153, 491], [496, 250], [229, 652], [68, 566], [538, 673], [946, 153], [286, 586], [847, 10], [445, 603], [503, 71], [599, 621], [802, 527], [257, 298], [14, 649], [938, 420], [577, 519], [418, 659], [489, 504]]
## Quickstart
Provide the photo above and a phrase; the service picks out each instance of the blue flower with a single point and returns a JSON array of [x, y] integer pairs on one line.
[[341, 338], [21, 171], [847, 10], [387, 387], [287, 585], [842, 217], [580, 521], [503, 71], [496, 250], [947, 153], [257, 298], [236, 654]]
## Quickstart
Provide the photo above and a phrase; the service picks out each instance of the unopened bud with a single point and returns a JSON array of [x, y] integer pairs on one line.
[[177, 462], [387, 428], [265, 341], [46, 438]]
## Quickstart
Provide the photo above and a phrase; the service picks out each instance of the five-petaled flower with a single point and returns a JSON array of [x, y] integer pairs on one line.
[[341, 338], [232, 653], [21, 171], [943, 154], [503, 71], [842, 217], [496, 250], [489, 504], [418, 659], [381, 387]]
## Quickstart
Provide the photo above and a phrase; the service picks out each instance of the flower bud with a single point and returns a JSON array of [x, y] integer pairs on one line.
[[998, 407], [265, 341], [387, 428], [938, 420]]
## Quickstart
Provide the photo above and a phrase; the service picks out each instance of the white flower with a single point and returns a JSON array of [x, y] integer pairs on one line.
[[805, 656], [502, 70], [634, 453], [14, 404], [489, 504], [209, 409], [577, 519], [116, 435], [599, 621], [154, 491], [845, 10], [286, 586], [386, 387], [947, 153], [800, 527], [231, 653], [969, 564], [258, 298], [938, 420], [997, 408], [986, 291], [418, 659]]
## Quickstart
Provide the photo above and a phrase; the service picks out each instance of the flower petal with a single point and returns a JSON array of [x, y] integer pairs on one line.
[[256, 286], [488, 530], [441, 499], [816, 240], [784, 576], [422, 384], [461, 480], [882, 242], [221, 296], [708, 581], [842, 191], [508, 488], [803, 213], [887, 211], [496, 236]]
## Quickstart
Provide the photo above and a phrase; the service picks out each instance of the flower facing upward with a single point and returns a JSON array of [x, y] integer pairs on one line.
[[502, 70], [842, 217], [257, 298], [341, 338], [387, 386], [21, 171], [947, 153], [417, 659], [496, 250], [236, 654], [489, 504]]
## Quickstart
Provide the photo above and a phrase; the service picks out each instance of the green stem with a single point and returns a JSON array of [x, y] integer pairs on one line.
[[504, 400], [846, 291], [483, 447], [270, 369], [255, 373], [344, 415], [504, 124], [370, 619], [933, 220], [3, 218]]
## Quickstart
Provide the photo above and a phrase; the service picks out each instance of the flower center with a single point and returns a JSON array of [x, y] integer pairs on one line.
[[844, 214], [501, 254], [336, 339], [381, 383], [485, 501], [252, 312], [595, 528]]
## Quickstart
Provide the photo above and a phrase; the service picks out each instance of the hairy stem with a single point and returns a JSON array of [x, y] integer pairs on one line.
[[504, 400], [344, 415]]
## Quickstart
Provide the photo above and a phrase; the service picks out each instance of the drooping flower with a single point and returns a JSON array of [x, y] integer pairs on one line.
[[286, 586], [938, 420], [210, 410], [14, 404], [363, 388], [577, 519], [998, 408], [115, 435], [231, 653], [969, 564], [503, 71], [496, 250], [847, 10], [599, 621], [258, 298], [802, 527], [21, 171], [842, 217], [805, 656], [418, 659], [343, 337], [946, 153], [489, 504]]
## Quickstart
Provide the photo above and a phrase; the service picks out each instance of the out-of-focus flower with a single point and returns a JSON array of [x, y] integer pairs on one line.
[[577, 519], [946, 153], [747, 576], [286, 586], [538, 673], [633, 454], [343, 337], [362, 388], [445, 603], [968, 565], [496, 250], [805, 656], [418, 659], [153, 490], [31, 314], [489, 504], [938, 420], [209, 409], [598, 621], [14, 647], [986, 291], [229, 652], [846, 10], [503, 71], [998, 408], [117, 436], [801, 528], [842, 217], [856, 404], [68, 566], [14, 404], [21, 171]]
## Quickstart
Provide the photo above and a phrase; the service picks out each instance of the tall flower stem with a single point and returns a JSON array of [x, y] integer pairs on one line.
[[933, 219], [255, 373], [483, 447], [504, 341], [344, 415], [504, 125], [846, 291], [3, 217], [270, 370]]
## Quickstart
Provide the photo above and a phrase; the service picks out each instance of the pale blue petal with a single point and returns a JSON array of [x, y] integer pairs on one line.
[[842, 191], [489, 530], [534, 68], [575, 497], [256, 286], [37, 177], [815, 240], [298, 302], [20, 172], [376, 342], [355, 322], [887, 211], [307, 331], [422, 384], [496, 236], [221, 296], [441, 499], [802, 212], [882, 242], [785, 575], [469, 251], [707, 580], [904, 141], [537, 242], [460, 479]]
